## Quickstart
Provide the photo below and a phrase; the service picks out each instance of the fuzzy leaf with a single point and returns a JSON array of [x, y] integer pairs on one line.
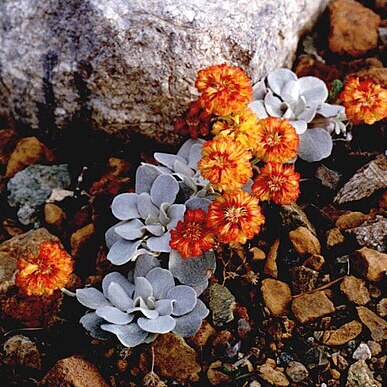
[[164, 190], [111, 236], [315, 144], [183, 169], [189, 324], [273, 105], [307, 114], [300, 126], [91, 298], [279, 78], [118, 297], [327, 110], [164, 219], [129, 335], [195, 155], [144, 264], [124, 206], [290, 92], [154, 229], [146, 207], [185, 299], [186, 148], [130, 230], [159, 244], [164, 307], [175, 213], [259, 90], [258, 108], [123, 251], [114, 315], [92, 323], [146, 174], [162, 282], [198, 203], [142, 288], [168, 159], [162, 324], [148, 313], [119, 279], [313, 90]]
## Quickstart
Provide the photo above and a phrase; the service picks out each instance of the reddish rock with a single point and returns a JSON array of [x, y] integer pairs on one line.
[[355, 290], [370, 264], [8, 141], [376, 325], [73, 371], [276, 296], [28, 151], [304, 241], [202, 335], [343, 334], [353, 28], [309, 307]]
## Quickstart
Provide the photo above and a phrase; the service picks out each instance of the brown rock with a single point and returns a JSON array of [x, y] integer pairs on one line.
[[54, 215], [304, 242], [309, 307], [28, 151], [376, 325], [383, 198], [272, 376], [351, 220], [215, 376], [203, 334], [353, 28], [334, 238], [276, 296], [359, 375], [80, 238], [303, 279], [8, 267], [19, 350], [73, 371], [270, 267], [343, 334], [8, 141], [370, 264], [258, 254], [355, 290], [382, 307], [315, 262], [175, 359], [296, 371]]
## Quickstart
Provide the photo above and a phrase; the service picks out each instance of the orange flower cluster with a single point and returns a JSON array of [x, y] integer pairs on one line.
[[364, 101], [224, 89], [42, 274]]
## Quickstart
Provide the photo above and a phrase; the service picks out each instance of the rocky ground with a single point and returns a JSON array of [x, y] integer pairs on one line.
[[302, 305]]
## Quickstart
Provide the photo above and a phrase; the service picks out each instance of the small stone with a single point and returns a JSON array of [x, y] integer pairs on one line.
[[374, 347], [8, 268], [351, 220], [369, 263], [328, 177], [8, 141], [19, 350], [372, 234], [258, 254], [221, 304], [202, 335], [383, 198], [175, 359], [335, 374], [303, 279], [304, 242], [215, 376], [376, 325], [334, 238], [80, 238], [73, 371], [296, 371], [309, 307], [359, 375], [54, 215], [362, 352], [355, 290], [271, 269], [353, 28], [381, 308], [271, 375], [339, 361], [28, 151], [315, 262], [276, 296], [343, 334], [293, 216]]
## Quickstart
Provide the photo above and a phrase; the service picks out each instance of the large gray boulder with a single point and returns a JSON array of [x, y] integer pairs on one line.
[[130, 65]]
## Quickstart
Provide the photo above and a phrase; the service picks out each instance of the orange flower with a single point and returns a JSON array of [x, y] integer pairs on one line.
[[241, 126], [191, 237], [277, 182], [235, 216], [277, 140], [364, 101], [224, 89], [225, 163], [195, 121], [42, 274]]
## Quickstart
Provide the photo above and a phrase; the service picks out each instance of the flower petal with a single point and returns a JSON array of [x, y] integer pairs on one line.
[[143, 288], [279, 78], [162, 324], [114, 315], [129, 335], [164, 190], [119, 279], [185, 299], [175, 213], [118, 297], [123, 251], [130, 230], [189, 324], [162, 282], [159, 244], [92, 323], [164, 307], [124, 206], [91, 298]]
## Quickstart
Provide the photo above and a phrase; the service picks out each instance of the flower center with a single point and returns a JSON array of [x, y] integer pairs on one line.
[[273, 139], [193, 231], [275, 184], [233, 214]]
